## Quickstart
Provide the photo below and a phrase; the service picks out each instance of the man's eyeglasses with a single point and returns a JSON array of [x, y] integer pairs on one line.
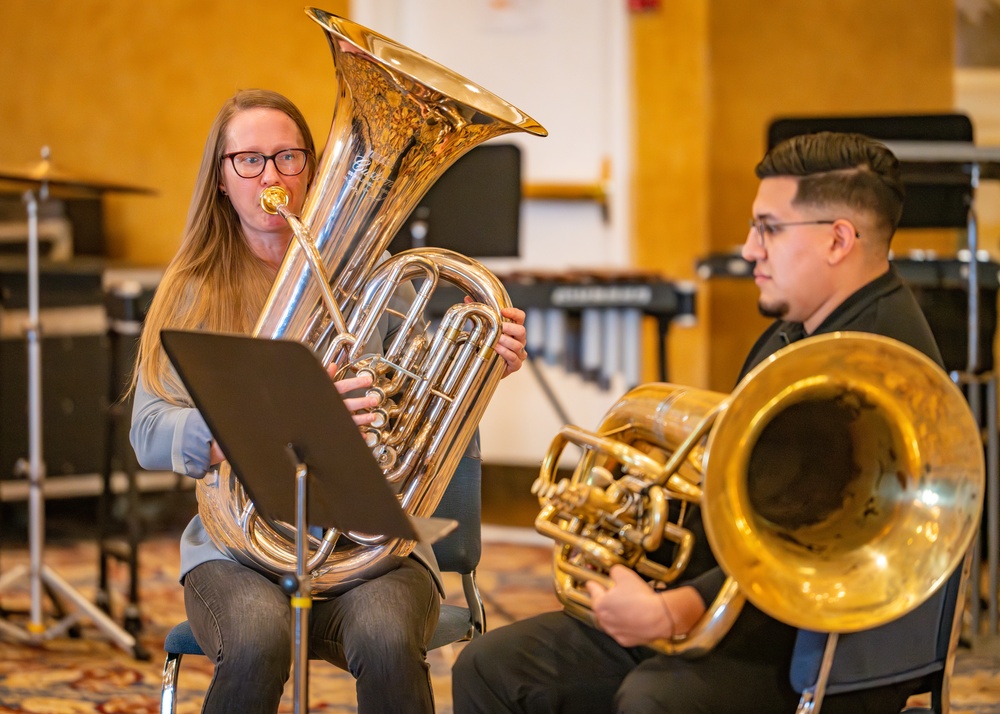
[[764, 229], [250, 164]]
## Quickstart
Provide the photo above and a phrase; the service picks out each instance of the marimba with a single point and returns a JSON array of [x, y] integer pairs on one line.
[[590, 322]]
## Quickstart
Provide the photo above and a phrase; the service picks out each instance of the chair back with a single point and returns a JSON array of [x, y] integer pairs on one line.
[[460, 550], [897, 652]]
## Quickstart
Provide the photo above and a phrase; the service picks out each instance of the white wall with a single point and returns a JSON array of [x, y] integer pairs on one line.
[[565, 63]]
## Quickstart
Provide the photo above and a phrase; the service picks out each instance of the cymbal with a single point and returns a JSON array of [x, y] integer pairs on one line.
[[45, 173]]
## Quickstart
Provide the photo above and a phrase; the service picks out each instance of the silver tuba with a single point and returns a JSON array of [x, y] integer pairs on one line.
[[840, 485], [400, 120]]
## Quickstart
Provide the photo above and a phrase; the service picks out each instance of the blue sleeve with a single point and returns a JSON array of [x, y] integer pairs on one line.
[[167, 437]]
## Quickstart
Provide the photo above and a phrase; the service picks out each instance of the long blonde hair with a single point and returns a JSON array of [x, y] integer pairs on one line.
[[215, 281]]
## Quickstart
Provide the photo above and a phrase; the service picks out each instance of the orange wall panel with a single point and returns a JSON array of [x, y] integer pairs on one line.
[[711, 75], [127, 91]]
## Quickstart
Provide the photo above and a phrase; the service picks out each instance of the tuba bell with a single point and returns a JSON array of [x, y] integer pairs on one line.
[[840, 484], [400, 120]]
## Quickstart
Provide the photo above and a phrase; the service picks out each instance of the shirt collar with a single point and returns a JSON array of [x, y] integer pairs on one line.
[[841, 315]]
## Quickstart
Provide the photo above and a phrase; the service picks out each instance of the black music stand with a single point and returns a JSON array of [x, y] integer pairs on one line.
[[285, 430]]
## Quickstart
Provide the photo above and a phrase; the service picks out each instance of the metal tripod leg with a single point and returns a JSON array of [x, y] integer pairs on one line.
[[40, 576], [6, 629]]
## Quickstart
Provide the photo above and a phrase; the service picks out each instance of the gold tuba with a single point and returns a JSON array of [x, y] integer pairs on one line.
[[840, 485], [400, 120]]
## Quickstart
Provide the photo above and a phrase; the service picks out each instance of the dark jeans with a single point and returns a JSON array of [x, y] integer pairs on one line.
[[553, 663], [378, 631]]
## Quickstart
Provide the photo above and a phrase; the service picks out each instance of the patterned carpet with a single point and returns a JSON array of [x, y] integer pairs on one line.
[[88, 675]]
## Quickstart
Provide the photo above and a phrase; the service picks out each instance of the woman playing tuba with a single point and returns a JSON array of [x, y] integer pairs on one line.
[[238, 270]]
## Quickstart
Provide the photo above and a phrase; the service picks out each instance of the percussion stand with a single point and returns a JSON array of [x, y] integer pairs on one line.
[[37, 572], [973, 380], [980, 163]]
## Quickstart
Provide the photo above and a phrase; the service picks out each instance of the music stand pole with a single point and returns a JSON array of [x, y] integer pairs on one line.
[[38, 573], [302, 597]]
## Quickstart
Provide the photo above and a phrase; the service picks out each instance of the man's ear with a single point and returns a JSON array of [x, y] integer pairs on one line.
[[845, 240]]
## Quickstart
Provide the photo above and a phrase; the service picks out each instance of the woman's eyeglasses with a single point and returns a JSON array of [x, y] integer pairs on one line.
[[250, 164]]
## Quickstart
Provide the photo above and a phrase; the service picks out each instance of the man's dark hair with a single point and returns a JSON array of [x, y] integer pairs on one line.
[[840, 169]]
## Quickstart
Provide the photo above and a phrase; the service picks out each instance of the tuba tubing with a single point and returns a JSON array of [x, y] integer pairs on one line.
[[400, 121], [877, 509]]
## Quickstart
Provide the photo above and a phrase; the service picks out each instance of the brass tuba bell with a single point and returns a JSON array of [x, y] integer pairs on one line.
[[840, 485], [400, 120]]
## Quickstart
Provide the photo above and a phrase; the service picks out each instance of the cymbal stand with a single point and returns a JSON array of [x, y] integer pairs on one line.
[[37, 572], [978, 163]]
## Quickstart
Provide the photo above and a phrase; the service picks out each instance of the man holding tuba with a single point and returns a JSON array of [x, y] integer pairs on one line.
[[826, 209], [378, 628]]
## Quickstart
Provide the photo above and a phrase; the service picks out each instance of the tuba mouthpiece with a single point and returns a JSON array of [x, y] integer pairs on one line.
[[272, 197]]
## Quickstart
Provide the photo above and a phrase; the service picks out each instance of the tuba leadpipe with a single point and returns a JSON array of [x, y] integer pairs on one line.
[[400, 120], [863, 538]]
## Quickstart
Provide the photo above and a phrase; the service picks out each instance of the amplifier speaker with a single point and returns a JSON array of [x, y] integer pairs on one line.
[[75, 367], [75, 373]]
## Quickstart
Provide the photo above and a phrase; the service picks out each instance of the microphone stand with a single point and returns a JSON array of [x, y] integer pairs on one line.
[[37, 572]]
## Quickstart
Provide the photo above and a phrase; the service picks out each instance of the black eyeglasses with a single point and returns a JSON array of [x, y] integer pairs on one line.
[[765, 229], [250, 164]]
